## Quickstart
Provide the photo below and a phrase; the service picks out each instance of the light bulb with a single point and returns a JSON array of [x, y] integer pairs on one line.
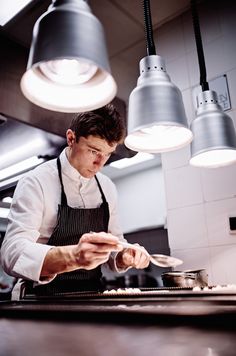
[[158, 138], [214, 158], [68, 68], [68, 71]]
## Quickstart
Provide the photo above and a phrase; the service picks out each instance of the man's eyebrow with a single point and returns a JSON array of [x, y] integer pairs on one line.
[[93, 147], [98, 149]]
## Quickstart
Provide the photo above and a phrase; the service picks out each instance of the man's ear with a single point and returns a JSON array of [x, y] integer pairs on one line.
[[70, 137]]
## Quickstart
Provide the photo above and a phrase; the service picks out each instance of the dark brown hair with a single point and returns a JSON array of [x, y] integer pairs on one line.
[[104, 122]]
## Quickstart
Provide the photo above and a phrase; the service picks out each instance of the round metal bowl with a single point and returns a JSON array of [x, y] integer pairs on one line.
[[185, 279]]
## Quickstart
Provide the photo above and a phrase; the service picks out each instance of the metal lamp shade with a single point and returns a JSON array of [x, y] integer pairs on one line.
[[68, 32], [156, 115], [214, 143]]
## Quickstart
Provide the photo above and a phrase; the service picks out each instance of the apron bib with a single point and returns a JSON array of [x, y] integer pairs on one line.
[[72, 223]]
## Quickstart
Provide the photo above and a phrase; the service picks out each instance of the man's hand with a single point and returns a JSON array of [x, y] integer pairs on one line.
[[132, 258], [92, 250]]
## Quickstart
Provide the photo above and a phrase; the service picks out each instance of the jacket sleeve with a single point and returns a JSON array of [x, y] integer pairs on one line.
[[21, 255]]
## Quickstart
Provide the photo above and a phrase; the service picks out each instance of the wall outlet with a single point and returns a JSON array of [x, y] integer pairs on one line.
[[220, 86], [232, 225]]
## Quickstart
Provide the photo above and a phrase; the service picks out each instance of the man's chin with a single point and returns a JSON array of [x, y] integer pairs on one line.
[[89, 174]]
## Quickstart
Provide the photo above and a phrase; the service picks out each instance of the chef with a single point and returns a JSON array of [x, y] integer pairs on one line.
[[63, 222]]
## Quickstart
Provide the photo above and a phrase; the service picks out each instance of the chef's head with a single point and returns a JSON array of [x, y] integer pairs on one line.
[[92, 137]]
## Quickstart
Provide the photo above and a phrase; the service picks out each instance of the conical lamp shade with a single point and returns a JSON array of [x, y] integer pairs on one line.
[[156, 115], [214, 142], [68, 68]]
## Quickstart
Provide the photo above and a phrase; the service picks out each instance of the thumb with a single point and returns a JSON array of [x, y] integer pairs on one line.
[[128, 257]]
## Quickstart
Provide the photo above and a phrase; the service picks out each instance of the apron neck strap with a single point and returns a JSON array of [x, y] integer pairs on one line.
[[101, 191], [63, 195]]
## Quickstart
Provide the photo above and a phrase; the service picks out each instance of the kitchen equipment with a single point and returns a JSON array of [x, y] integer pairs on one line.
[[190, 278], [157, 259]]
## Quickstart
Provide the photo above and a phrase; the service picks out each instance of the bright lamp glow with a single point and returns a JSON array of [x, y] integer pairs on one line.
[[156, 117], [8, 182], [59, 97], [159, 138], [7, 200], [68, 68], [9, 9], [20, 167], [214, 158], [19, 153], [127, 162], [4, 212], [68, 71], [214, 143]]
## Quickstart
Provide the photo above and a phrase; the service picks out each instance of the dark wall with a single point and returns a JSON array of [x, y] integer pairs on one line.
[[155, 240]]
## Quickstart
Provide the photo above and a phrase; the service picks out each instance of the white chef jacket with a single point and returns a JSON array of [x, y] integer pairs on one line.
[[33, 213]]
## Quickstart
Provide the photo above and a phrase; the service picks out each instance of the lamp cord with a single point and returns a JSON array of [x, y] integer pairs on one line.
[[148, 28], [198, 38]]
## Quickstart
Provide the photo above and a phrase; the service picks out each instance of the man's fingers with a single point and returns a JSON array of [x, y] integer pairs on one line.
[[136, 258], [100, 238], [102, 248], [99, 244], [143, 261], [94, 256], [128, 257]]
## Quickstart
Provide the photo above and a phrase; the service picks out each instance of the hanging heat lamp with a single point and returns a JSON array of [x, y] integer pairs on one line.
[[214, 142], [68, 68], [156, 115]]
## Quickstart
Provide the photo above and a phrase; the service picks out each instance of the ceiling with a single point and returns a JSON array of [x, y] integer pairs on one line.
[[124, 30]]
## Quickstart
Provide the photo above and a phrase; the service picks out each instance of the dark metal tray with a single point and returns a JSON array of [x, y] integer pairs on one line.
[[151, 305], [145, 295]]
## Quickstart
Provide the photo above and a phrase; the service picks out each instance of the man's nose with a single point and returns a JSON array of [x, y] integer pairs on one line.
[[100, 160]]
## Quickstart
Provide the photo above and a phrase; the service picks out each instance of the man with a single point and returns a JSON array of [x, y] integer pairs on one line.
[[63, 223]]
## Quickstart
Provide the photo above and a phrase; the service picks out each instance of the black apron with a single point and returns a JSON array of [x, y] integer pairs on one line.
[[72, 223]]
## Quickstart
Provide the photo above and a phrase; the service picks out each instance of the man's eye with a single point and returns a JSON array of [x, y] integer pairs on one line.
[[99, 154], [93, 152]]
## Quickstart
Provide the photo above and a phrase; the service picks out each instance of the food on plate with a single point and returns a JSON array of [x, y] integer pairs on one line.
[[123, 291]]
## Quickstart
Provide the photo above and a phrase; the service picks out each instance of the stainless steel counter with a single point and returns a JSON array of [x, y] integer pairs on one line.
[[162, 322]]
